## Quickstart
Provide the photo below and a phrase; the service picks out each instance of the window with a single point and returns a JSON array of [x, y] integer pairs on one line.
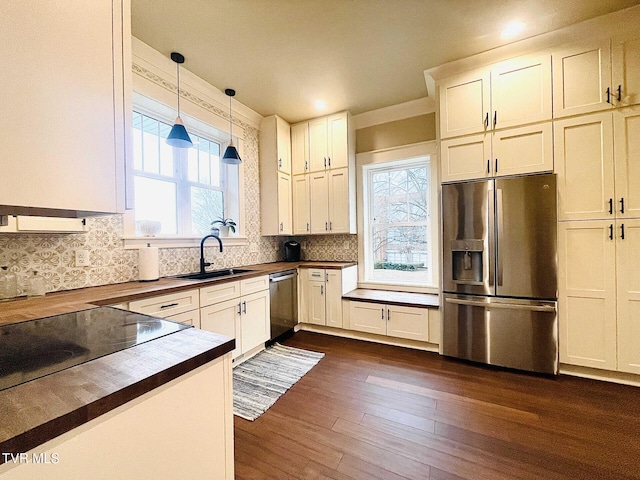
[[397, 222], [182, 189]]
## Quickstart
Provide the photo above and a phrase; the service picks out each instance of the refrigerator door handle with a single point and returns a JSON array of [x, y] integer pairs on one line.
[[495, 305], [491, 242], [500, 228]]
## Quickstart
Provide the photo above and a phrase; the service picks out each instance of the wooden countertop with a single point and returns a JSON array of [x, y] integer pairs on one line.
[[406, 299], [56, 303]]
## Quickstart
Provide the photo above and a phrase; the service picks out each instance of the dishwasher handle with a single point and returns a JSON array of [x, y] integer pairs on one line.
[[280, 279]]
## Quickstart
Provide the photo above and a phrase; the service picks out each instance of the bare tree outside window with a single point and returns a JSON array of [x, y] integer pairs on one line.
[[399, 223]]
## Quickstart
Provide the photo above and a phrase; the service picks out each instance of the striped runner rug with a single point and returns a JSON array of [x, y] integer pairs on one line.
[[261, 380]]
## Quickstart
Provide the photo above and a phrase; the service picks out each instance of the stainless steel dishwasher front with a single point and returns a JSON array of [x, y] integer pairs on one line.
[[283, 290]]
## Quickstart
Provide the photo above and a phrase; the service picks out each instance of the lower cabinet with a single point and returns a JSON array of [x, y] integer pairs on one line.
[[180, 307], [412, 323], [244, 316], [321, 293]]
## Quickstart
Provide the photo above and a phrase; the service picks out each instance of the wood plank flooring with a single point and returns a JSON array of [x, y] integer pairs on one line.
[[369, 411]]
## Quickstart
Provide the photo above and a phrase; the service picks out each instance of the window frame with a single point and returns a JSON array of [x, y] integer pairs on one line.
[[384, 158], [160, 112]]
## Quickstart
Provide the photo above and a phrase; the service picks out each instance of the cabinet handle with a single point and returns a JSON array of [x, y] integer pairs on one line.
[[611, 232], [382, 312], [488, 170], [330, 226], [619, 93], [307, 226], [325, 162], [622, 231], [486, 121], [495, 118], [622, 205], [239, 308], [608, 94], [281, 226], [326, 226], [280, 163], [321, 289], [169, 305], [244, 307], [611, 206], [306, 165], [329, 161], [388, 314], [496, 165]]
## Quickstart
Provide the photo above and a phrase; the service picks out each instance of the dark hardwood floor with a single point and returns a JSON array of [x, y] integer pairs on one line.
[[369, 411]]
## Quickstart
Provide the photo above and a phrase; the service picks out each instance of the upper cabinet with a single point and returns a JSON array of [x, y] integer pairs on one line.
[[593, 76], [328, 142], [514, 92], [275, 178], [300, 148], [65, 93]]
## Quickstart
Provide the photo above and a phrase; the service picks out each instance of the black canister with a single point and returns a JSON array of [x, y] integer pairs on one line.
[[292, 251]]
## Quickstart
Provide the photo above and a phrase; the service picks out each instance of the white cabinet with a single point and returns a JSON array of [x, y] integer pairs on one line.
[[320, 294], [65, 97], [239, 310], [511, 93], [181, 307], [275, 177], [593, 183], [527, 149], [328, 142], [399, 321], [301, 205], [300, 148], [331, 202], [596, 75], [599, 303]]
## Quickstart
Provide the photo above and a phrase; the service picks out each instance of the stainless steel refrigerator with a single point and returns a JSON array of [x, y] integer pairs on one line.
[[499, 272]]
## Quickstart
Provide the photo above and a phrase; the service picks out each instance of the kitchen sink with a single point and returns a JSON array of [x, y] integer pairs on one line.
[[225, 272]]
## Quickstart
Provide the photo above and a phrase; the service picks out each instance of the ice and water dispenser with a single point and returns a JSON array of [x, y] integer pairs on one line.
[[466, 261]]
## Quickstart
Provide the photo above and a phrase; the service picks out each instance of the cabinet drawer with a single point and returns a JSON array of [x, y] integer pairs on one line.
[[219, 292], [251, 285], [316, 274], [166, 305], [189, 318]]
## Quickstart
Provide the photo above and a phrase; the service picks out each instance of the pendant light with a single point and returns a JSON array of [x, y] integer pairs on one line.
[[178, 136], [231, 155]]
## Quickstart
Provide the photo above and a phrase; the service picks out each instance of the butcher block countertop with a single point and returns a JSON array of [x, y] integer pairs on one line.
[[42, 409]]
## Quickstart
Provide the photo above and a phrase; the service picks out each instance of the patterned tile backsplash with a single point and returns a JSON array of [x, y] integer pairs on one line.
[[53, 255]]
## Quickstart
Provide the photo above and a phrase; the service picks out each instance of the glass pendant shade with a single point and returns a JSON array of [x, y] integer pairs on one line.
[[231, 155], [178, 136]]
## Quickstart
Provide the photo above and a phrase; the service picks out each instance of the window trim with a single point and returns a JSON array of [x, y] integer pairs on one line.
[[409, 153]]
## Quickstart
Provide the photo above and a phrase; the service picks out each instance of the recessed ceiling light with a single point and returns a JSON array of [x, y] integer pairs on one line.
[[320, 105], [511, 30]]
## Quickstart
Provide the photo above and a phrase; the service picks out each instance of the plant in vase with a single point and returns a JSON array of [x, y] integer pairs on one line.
[[224, 225]]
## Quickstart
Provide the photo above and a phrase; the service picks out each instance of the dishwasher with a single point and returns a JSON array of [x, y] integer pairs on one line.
[[283, 291]]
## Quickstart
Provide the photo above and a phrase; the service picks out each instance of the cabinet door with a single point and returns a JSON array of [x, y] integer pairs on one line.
[[581, 77], [318, 138], [339, 201], [303, 295], [434, 326], [283, 145], [284, 204], [219, 292], [466, 158], [255, 284], [62, 100], [583, 153], [300, 148], [521, 91], [319, 200], [523, 150], [301, 204], [333, 300], [255, 329], [627, 167], [223, 318], [628, 259], [625, 60], [317, 305], [408, 322], [338, 141], [587, 293], [464, 104], [368, 317], [188, 318]]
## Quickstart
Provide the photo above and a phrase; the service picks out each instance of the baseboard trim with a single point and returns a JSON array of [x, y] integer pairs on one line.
[[602, 375]]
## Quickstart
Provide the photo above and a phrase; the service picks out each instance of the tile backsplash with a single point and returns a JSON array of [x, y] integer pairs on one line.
[[53, 255]]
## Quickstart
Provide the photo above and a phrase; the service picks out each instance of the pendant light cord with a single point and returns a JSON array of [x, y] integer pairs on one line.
[[230, 120], [178, 75]]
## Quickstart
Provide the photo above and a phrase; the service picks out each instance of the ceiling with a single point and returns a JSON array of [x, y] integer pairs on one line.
[[357, 55]]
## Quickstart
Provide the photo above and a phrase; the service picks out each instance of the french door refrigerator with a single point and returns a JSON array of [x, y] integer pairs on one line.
[[499, 272]]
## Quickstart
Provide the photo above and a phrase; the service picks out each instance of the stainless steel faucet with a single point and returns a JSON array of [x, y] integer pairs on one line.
[[204, 264]]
